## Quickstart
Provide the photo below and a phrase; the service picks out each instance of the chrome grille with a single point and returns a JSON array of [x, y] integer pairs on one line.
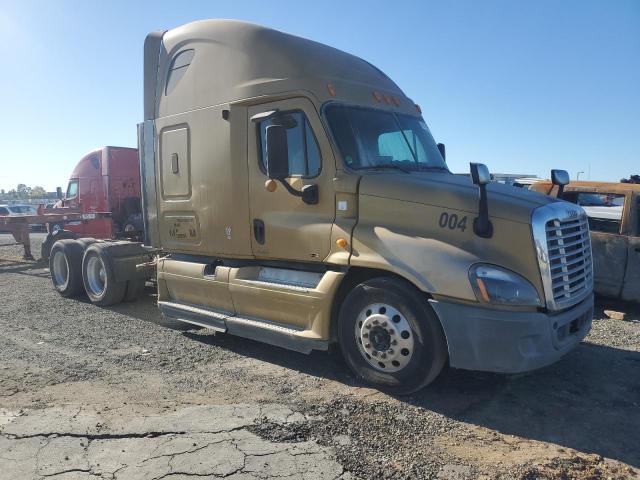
[[569, 252], [563, 246]]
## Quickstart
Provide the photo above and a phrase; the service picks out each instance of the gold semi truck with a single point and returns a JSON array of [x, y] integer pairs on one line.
[[293, 194]]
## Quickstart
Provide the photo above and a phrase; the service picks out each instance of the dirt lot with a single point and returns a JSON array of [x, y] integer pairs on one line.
[[120, 393]]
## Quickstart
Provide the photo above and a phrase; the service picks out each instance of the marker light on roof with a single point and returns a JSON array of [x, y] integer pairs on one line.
[[331, 89], [377, 96]]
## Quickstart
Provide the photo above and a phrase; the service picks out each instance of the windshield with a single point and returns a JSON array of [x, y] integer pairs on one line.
[[369, 138]]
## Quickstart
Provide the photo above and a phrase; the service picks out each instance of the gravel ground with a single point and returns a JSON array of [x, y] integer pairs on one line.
[[576, 419]]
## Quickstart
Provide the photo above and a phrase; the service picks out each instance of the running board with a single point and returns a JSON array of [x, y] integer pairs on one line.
[[194, 315], [259, 330], [274, 334]]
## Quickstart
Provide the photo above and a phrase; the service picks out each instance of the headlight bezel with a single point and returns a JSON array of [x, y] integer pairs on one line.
[[499, 286]]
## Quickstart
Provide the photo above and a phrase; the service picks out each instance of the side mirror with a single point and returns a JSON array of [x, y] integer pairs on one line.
[[442, 151], [481, 224], [560, 178], [277, 152], [59, 193], [480, 173]]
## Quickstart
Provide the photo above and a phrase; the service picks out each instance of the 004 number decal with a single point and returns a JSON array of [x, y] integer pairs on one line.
[[452, 221]]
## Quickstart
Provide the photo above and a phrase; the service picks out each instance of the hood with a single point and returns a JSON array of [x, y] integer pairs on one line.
[[453, 192]]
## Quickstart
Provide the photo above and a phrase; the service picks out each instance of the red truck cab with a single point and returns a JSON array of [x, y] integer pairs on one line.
[[105, 180]]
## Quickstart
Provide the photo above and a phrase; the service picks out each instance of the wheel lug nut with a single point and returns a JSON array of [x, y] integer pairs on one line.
[[394, 342], [384, 324], [375, 322], [367, 345], [390, 351], [384, 355], [374, 353], [365, 335], [391, 331], [367, 326]]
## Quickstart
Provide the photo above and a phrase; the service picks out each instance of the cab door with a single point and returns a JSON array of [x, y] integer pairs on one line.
[[283, 226], [631, 287]]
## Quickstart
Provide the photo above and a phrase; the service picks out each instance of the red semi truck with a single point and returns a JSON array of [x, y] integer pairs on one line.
[[105, 180]]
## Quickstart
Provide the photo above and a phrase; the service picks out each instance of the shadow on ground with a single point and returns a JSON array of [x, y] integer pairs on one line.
[[589, 401], [34, 269]]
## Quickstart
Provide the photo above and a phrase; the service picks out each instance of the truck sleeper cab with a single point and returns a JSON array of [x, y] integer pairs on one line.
[[104, 180], [293, 194]]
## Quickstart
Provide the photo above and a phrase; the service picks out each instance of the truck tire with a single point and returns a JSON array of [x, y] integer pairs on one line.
[[50, 239], [98, 277], [65, 266], [390, 337]]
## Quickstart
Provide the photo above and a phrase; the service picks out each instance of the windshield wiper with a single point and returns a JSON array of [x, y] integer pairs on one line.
[[384, 165]]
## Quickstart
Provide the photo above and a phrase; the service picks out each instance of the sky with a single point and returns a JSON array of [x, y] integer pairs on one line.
[[522, 86]]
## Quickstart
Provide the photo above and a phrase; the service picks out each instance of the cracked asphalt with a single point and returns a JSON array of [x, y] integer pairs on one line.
[[209, 441], [121, 394]]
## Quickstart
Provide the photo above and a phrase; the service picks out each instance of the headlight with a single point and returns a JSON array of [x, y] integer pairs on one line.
[[499, 286]]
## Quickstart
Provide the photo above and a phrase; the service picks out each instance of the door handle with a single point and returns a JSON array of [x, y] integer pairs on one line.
[[258, 230]]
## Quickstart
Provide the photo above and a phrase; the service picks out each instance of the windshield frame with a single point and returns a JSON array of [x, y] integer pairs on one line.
[[375, 169]]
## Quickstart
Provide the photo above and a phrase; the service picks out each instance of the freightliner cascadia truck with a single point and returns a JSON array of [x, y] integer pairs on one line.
[[293, 194]]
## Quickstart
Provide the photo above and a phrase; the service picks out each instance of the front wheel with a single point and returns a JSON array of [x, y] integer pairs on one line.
[[390, 337]]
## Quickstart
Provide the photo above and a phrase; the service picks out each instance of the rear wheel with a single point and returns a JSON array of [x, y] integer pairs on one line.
[[99, 279], [65, 267], [390, 336]]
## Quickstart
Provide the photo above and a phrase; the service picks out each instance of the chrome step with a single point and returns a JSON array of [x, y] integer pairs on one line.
[[255, 329], [194, 315]]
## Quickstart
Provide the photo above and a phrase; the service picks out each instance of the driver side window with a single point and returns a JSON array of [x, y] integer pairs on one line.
[[304, 153], [72, 189]]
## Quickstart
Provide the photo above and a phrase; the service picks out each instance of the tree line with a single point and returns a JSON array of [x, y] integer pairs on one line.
[[24, 192]]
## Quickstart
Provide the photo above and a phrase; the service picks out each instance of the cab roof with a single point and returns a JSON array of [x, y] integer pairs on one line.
[[221, 61]]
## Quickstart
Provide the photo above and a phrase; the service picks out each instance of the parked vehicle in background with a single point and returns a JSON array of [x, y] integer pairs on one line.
[[13, 210], [105, 180], [613, 210], [293, 194]]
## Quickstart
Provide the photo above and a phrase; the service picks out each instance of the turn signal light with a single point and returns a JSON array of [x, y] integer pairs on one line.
[[418, 109], [341, 242], [483, 290]]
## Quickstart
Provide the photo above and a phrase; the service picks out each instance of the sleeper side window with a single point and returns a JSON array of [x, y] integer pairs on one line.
[[304, 153], [603, 209], [72, 189], [178, 68]]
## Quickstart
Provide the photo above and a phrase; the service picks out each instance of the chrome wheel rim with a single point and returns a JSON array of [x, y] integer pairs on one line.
[[384, 337], [96, 275], [60, 273]]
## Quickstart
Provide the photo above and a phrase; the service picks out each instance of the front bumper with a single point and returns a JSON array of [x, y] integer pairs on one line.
[[508, 341]]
